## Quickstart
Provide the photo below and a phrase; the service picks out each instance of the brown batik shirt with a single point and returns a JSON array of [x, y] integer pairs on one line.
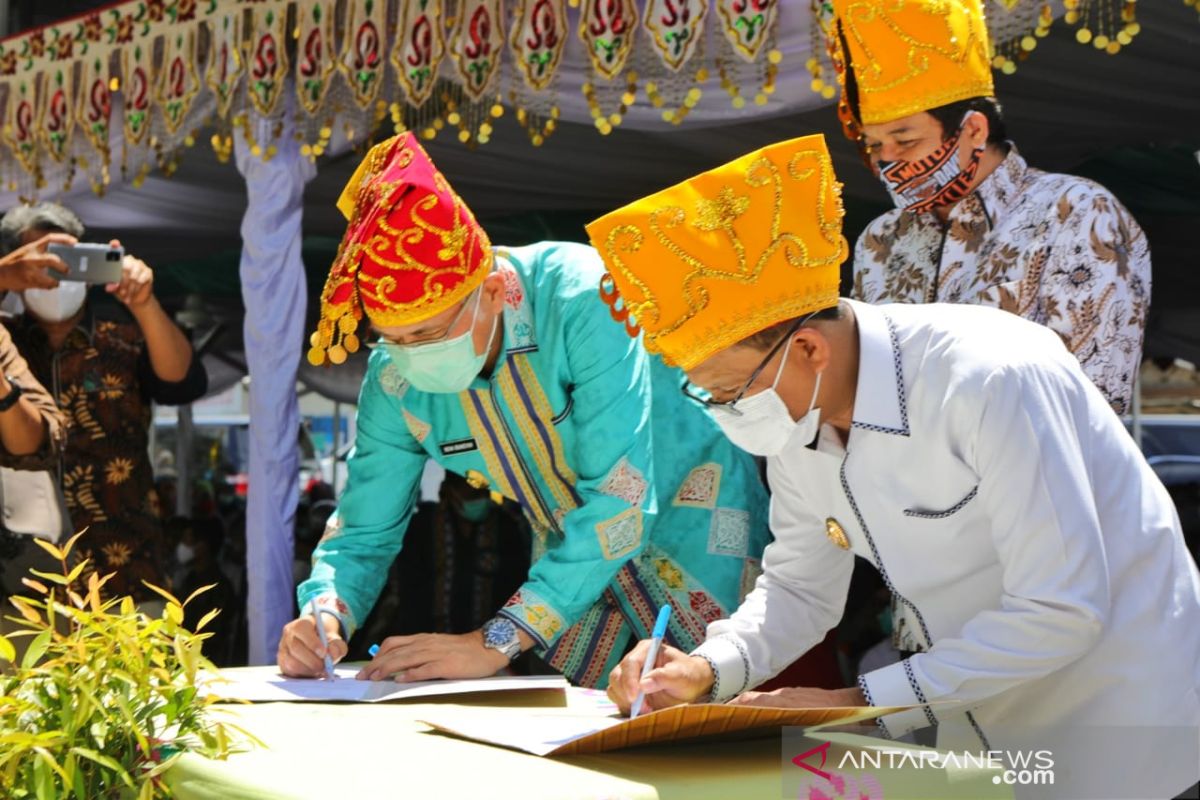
[[104, 384], [17, 370], [1055, 249]]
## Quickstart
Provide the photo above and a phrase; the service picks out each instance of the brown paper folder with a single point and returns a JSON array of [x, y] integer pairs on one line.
[[547, 734]]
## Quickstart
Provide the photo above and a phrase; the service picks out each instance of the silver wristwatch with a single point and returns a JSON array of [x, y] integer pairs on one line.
[[499, 633]]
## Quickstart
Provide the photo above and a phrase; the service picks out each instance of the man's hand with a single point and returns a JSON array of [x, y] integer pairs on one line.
[[427, 656], [136, 288], [300, 652], [28, 267], [676, 678], [800, 697]]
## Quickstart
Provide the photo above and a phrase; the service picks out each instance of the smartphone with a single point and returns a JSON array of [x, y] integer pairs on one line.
[[89, 263]]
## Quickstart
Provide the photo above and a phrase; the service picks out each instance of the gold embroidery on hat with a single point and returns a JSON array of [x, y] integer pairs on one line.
[[719, 213], [457, 243], [334, 338], [960, 83]]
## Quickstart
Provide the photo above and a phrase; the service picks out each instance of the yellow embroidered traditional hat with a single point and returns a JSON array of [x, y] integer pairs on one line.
[[908, 56], [728, 253], [412, 249]]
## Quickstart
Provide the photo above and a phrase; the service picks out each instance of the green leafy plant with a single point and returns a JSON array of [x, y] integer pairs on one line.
[[105, 698]]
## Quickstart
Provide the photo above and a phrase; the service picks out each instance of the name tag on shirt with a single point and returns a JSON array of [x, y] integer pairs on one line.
[[458, 446]]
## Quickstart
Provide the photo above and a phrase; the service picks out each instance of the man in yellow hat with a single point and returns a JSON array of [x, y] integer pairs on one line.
[[503, 365], [973, 222], [961, 450]]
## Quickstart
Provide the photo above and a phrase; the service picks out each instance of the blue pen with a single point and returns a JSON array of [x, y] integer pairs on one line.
[[373, 650], [316, 612], [660, 630]]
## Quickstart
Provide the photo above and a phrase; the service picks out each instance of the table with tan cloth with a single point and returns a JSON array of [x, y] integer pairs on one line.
[[325, 750]]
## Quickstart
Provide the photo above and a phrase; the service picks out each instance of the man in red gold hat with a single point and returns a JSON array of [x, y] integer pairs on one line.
[[503, 365]]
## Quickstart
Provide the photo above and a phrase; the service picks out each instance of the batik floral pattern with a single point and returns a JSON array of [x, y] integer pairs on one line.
[[1056, 249]]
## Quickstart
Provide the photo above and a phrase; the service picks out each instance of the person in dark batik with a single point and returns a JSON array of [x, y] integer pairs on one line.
[[463, 557], [105, 363]]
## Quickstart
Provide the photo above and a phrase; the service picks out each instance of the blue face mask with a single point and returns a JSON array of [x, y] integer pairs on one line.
[[447, 366]]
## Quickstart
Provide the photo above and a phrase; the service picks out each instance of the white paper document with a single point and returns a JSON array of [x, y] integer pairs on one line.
[[266, 685]]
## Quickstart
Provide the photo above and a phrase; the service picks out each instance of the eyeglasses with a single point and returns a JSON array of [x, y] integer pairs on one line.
[[441, 337], [702, 396]]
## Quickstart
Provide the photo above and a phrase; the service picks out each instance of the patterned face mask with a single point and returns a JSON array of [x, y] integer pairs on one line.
[[933, 181]]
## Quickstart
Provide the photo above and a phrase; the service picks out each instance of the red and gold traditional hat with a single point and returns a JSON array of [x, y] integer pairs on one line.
[[412, 249]]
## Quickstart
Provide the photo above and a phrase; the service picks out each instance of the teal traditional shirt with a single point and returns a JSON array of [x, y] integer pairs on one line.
[[635, 497]]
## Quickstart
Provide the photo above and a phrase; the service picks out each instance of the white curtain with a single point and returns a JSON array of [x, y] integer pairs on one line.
[[274, 293]]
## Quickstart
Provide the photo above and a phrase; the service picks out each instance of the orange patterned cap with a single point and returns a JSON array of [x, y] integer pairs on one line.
[[908, 56], [706, 263]]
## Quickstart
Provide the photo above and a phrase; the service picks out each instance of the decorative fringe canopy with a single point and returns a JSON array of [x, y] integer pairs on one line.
[[130, 86]]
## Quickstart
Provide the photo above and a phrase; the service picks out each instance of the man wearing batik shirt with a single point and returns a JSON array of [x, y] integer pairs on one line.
[[503, 365], [106, 364], [973, 222]]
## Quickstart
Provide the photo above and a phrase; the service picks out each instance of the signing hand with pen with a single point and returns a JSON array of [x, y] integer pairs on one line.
[[428, 656], [677, 678], [300, 652]]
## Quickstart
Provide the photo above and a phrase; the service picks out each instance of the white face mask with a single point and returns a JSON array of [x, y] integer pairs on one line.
[[184, 554], [764, 425], [56, 305]]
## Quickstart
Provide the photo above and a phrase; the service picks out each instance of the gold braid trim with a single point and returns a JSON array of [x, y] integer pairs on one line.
[[724, 333], [336, 334]]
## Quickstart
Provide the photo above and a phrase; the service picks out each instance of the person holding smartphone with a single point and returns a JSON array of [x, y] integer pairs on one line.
[[105, 363]]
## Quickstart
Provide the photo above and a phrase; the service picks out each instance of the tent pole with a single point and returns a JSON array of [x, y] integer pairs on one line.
[[152, 436], [1137, 409], [184, 429], [337, 444], [275, 296]]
